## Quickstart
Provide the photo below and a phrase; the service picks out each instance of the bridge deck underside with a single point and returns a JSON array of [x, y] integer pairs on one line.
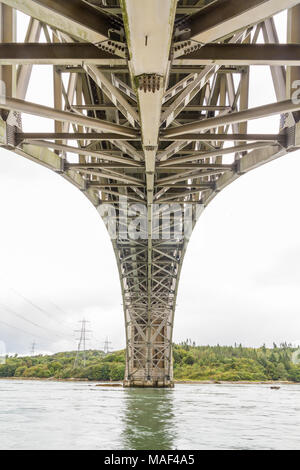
[[157, 103]]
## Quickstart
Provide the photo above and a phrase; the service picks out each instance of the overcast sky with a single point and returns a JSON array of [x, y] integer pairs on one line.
[[240, 279]]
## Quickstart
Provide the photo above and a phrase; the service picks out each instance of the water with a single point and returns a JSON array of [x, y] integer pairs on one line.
[[79, 415]]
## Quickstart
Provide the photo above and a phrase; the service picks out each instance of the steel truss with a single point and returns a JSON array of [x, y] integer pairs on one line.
[[155, 90]]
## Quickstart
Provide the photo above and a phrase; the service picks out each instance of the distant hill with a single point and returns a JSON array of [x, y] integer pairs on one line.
[[218, 363]]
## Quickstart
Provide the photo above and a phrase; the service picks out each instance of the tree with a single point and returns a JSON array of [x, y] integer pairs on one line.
[[117, 372]]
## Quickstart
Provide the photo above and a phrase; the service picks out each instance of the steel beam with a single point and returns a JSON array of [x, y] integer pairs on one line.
[[193, 88], [65, 116], [112, 166], [113, 94], [214, 137], [76, 18], [80, 151], [180, 10], [90, 136], [278, 72], [237, 117], [189, 108], [242, 54], [56, 54], [223, 18], [24, 71], [216, 153]]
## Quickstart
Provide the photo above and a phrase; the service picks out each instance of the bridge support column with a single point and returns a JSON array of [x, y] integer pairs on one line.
[[149, 30], [149, 363]]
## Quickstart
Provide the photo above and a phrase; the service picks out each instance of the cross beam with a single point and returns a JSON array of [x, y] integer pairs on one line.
[[82, 53], [237, 117], [57, 54], [241, 54], [64, 116]]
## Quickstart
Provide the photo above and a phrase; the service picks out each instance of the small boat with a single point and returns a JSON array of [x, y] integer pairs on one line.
[[275, 388]]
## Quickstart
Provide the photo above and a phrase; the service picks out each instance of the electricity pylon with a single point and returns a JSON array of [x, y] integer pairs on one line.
[[33, 346], [81, 343], [106, 347]]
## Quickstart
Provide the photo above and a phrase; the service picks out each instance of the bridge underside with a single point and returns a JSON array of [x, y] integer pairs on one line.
[[155, 95]]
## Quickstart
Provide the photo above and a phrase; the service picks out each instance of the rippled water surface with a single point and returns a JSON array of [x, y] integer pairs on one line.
[[63, 415]]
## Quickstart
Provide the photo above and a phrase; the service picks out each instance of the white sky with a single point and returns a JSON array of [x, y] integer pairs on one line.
[[240, 279]]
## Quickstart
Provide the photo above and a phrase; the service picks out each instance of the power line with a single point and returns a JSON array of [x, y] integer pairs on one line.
[[32, 304], [60, 310], [40, 309], [57, 307], [51, 317], [82, 342], [20, 329], [8, 309], [62, 322]]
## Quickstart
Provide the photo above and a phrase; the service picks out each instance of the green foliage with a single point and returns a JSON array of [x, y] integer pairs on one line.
[[20, 371], [99, 372], [61, 366], [40, 371], [8, 369], [191, 362], [228, 363], [117, 372], [294, 373]]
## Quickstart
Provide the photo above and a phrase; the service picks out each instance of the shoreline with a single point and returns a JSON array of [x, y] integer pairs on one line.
[[117, 383]]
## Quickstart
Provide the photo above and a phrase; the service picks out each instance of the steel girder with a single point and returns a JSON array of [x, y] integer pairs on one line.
[[76, 18], [223, 18], [150, 109], [221, 54]]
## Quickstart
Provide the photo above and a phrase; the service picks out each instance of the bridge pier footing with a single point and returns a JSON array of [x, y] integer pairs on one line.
[[148, 384]]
